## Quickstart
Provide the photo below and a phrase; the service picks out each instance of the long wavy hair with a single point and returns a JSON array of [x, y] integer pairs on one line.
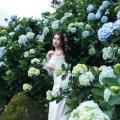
[[62, 39]]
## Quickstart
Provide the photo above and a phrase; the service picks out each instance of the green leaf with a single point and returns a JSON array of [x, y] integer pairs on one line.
[[111, 82], [114, 100], [64, 77], [63, 67], [97, 91]]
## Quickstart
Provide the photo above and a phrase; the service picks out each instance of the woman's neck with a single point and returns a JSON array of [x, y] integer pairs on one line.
[[58, 49]]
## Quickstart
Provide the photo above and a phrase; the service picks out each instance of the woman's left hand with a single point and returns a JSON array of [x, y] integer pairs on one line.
[[50, 67]]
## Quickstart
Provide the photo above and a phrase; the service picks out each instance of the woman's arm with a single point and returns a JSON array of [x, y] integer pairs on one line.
[[49, 54], [50, 67]]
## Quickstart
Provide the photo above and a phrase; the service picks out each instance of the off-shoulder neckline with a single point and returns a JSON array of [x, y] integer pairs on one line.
[[62, 55]]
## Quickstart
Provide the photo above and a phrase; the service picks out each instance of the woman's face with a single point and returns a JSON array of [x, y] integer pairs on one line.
[[56, 41]]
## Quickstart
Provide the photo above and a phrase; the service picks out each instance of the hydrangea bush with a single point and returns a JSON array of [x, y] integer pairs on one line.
[[93, 50]]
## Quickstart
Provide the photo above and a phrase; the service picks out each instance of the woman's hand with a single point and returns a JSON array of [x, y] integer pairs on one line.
[[49, 54], [50, 67]]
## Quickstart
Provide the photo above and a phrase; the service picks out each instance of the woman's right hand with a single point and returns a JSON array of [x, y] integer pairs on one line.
[[49, 54]]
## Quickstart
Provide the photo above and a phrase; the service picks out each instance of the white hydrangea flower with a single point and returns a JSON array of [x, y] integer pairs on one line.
[[107, 53], [71, 28], [45, 30], [33, 71], [62, 19], [35, 60], [74, 115], [26, 54], [32, 51], [27, 87], [49, 95], [118, 52], [55, 24], [2, 64], [107, 94], [107, 72], [3, 39], [11, 34], [64, 83], [66, 15], [88, 110], [56, 91], [79, 68], [30, 35], [102, 67]]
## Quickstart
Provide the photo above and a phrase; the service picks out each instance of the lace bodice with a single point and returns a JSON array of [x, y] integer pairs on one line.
[[57, 61]]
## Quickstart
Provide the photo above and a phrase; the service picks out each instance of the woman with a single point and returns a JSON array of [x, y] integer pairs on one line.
[[56, 58]]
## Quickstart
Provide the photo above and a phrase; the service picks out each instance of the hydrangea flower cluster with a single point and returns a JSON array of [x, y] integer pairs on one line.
[[28, 53], [13, 17], [78, 69], [28, 29], [86, 78], [27, 87], [72, 28], [98, 15], [54, 93], [107, 94], [55, 24], [45, 30], [2, 51], [17, 28], [22, 39], [35, 60], [106, 72], [3, 39], [106, 31], [33, 72], [88, 110], [2, 64], [108, 53], [45, 22], [11, 34], [30, 35], [66, 15], [40, 37]]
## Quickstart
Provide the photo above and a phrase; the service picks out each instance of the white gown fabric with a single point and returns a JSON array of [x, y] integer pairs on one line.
[[57, 110]]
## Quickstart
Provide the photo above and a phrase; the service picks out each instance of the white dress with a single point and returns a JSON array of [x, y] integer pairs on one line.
[[57, 110]]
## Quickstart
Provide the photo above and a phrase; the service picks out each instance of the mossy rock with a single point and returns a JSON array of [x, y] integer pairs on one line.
[[22, 107]]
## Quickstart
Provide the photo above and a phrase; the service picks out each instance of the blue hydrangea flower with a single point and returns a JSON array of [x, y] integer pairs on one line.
[[40, 37], [85, 34], [28, 29], [45, 22], [22, 40], [117, 24], [91, 17], [2, 51], [17, 28], [90, 8], [101, 8], [104, 19], [106, 31], [98, 15], [55, 24], [106, 4], [13, 17], [118, 15]]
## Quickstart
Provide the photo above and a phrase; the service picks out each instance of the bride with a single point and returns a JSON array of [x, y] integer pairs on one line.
[[55, 59]]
